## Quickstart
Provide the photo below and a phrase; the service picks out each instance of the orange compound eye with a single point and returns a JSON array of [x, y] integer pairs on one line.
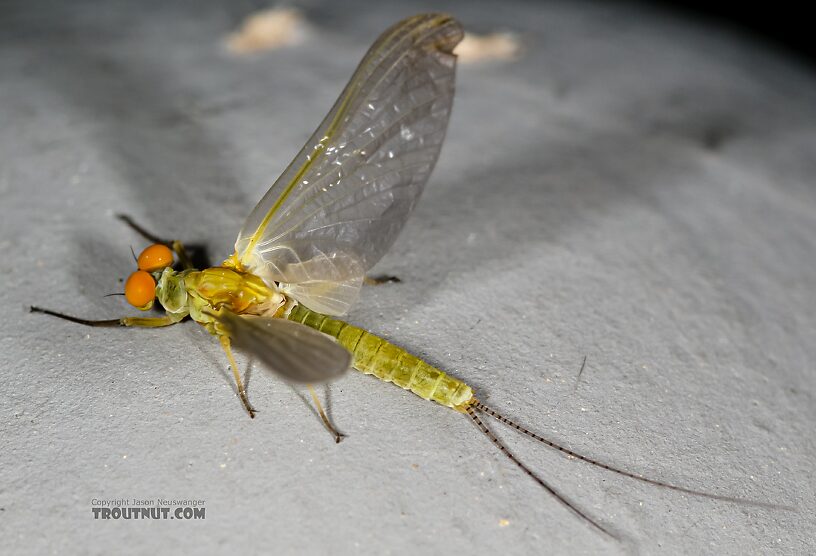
[[155, 257], [140, 290]]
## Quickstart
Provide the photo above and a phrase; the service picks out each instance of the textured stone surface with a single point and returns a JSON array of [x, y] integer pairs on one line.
[[635, 188]]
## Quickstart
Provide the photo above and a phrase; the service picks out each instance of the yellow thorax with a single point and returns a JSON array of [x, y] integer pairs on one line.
[[218, 288]]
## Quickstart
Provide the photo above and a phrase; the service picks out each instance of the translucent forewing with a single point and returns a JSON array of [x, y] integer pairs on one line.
[[340, 204], [294, 351]]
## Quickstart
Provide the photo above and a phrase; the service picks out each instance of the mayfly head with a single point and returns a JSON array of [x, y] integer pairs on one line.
[[140, 288], [155, 257]]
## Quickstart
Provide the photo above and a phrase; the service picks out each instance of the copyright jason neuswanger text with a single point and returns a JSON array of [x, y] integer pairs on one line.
[[147, 508]]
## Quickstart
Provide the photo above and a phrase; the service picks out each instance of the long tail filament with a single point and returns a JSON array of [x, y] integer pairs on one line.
[[529, 472], [476, 405]]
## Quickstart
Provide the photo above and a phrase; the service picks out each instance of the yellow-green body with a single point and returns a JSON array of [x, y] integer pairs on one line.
[[373, 355], [202, 294]]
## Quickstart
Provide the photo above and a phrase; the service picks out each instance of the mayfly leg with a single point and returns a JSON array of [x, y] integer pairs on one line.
[[225, 343], [173, 244], [140, 322], [380, 280], [154, 322], [323, 417]]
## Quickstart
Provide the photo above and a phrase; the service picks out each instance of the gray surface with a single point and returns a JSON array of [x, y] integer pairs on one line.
[[635, 189]]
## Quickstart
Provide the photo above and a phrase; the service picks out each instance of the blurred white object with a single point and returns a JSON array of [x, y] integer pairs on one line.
[[268, 30], [495, 46]]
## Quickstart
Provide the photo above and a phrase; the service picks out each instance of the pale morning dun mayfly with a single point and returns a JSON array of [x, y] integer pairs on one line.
[[302, 255]]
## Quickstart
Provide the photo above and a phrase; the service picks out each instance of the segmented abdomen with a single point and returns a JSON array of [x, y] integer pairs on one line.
[[375, 356]]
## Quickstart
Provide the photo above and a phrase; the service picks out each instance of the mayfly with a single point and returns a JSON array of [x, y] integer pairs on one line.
[[302, 255]]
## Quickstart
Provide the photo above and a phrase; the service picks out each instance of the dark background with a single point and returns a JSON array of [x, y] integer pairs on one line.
[[785, 26]]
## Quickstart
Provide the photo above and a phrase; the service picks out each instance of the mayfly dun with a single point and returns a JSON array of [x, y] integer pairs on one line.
[[302, 255]]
